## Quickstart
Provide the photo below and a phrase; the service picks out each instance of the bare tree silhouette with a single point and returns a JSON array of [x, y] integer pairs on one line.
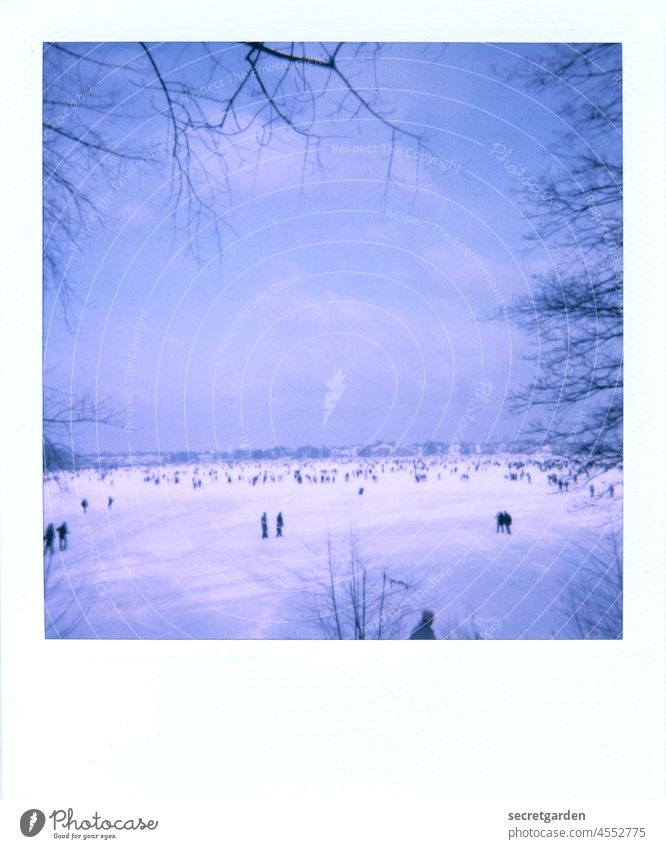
[[355, 600], [575, 312], [213, 103], [63, 413]]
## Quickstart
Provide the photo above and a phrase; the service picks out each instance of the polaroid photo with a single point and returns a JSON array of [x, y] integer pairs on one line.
[[333, 341], [319, 342]]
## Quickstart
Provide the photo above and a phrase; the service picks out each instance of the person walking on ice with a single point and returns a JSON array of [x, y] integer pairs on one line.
[[279, 525], [110, 502], [62, 532], [84, 504], [264, 526], [424, 630], [49, 538]]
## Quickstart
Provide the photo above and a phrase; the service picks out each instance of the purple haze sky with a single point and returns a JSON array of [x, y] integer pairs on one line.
[[325, 268]]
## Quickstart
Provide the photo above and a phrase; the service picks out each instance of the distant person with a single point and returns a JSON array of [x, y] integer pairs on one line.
[[507, 522], [49, 538], [424, 630], [84, 504], [264, 526], [62, 532], [591, 490], [361, 490], [279, 525], [110, 502]]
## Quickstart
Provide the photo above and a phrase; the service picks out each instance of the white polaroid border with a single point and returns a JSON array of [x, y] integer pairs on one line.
[[256, 720]]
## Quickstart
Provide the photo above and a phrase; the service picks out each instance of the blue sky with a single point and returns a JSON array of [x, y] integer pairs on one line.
[[321, 267]]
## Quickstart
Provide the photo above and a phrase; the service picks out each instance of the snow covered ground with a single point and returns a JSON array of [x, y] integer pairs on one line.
[[177, 560]]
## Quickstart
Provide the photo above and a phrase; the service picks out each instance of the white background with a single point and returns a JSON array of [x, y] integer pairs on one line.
[[470, 720]]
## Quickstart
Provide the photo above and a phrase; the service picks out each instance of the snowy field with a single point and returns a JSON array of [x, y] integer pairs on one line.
[[172, 559]]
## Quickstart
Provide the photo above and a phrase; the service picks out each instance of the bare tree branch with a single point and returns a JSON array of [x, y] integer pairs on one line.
[[575, 314]]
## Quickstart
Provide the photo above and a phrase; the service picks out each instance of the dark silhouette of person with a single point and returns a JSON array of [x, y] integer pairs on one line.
[[500, 521], [264, 526], [84, 504], [279, 525], [62, 532], [507, 522], [424, 630], [49, 538], [110, 502]]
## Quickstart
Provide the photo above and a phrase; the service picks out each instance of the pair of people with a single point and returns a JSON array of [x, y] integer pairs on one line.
[[503, 521], [279, 525], [49, 538], [85, 504]]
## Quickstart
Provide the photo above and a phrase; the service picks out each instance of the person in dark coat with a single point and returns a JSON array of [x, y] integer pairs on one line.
[[62, 532], [264, 526], [49, 538], [110, 502], [424, 630], [84, 504], [500, 521], [507, 522], [279, 525]]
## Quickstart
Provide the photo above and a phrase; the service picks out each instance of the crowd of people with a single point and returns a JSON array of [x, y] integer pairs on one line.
[[358, 474], [364, 471]]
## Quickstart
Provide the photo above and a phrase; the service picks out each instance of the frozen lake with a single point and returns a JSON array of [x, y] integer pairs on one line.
[[178, 560]]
